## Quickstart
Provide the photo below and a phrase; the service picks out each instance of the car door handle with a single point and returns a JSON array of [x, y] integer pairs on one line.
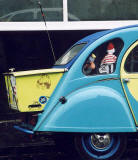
[[126, 80]]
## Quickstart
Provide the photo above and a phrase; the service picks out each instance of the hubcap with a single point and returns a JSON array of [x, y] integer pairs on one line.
[[100, 141]]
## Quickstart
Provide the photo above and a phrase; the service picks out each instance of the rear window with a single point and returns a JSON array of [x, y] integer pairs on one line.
[[69, 55]]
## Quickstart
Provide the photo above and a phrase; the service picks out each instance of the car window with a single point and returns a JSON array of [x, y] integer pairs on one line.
[[103, 59], [69, 55], [131, 64]]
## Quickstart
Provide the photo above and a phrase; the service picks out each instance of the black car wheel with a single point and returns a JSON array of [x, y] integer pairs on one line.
[[100, 146]]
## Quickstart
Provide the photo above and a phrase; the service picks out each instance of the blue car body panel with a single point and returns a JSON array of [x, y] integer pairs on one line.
[[94, 103], [94, 108]]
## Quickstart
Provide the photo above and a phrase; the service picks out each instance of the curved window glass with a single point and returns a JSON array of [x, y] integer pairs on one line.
[[67, 57]]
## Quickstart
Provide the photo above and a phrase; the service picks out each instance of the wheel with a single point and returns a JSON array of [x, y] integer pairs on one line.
[[100, 146]]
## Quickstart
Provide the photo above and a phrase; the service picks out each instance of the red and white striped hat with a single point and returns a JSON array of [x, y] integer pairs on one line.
[[110, 48]]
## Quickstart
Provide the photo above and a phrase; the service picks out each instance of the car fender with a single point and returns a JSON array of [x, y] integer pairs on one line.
[[91, 109]]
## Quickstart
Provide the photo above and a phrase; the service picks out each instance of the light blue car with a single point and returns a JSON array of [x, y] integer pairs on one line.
[[96, 98]]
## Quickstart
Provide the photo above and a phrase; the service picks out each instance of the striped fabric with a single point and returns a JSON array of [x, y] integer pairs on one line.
[[109, 59]]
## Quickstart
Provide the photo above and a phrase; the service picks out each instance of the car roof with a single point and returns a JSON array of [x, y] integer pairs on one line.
[[93, 37]]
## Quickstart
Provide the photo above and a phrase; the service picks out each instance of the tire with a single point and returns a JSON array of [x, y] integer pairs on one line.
[[101, 146]]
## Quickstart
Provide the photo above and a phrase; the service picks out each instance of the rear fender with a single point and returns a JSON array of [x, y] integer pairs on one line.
[[91, 109]]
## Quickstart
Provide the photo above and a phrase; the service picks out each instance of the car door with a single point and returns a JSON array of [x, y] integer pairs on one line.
[[129, 78]]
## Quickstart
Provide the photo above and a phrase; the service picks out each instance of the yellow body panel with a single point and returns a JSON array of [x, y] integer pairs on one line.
[[133, 88], [132, 83], [29, 91]]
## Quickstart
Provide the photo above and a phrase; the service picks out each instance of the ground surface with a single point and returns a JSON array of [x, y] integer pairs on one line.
[[13, 147]]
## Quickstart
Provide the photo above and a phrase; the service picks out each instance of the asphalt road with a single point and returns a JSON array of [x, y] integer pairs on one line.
[[52, 152], [12, 147], [53, 155]]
